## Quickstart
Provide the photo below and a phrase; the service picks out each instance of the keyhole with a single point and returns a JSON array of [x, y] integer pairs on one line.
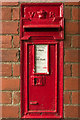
[[35, 81]]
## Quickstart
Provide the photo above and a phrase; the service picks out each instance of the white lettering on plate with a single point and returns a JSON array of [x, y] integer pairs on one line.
[[41, 60]]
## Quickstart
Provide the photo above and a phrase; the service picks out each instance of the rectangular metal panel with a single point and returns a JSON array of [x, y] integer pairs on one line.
[[41, 59], [42, 15]]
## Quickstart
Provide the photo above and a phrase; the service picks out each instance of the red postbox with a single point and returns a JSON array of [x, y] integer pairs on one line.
[[42, 34]]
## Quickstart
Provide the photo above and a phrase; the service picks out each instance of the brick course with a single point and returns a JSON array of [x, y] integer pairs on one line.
[[71, 84], [75, 13], [72, 27], [6, 13], [6, 70], [71, 55], [67, 97], [75, 97], [16, 97], [67, 43], [6, 97], [76, 70], [15, 13], [10, 84], [9, 55], [67, 13], [16, 69], [72, 111], [6, 41], [76, 41], [16, 41], [10, 27], [67, 69], [9, 3], [10, 111]]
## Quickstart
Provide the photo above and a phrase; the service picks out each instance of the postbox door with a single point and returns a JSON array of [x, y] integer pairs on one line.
[[42, 77]]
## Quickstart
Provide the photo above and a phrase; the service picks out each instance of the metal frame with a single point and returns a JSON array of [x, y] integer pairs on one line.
[[25, 41]]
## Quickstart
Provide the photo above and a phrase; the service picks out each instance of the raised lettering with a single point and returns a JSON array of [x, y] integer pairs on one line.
[[51, 14], [31, 14]]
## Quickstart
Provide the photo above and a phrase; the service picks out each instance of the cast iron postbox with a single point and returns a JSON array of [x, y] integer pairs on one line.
[[42, 34]]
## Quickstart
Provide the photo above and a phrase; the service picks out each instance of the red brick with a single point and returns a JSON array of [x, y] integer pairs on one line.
[[6, 41], [67, 69], [0, 26], [10, 27], [10, 111], [1, 84], [67, 96], [6, 97], [16, 69], [6, 70], [9, 3], [76, 41], [9, 55], [10, 84], [16, 98], [75, 69], [71, 84], [76, 13], [0, 42], [67, 13], [6, 13], [72, 3], [0, 97], [72, 55], [72, 27], [0, 13], [16, 41], [15, 14], [72, 111], [75, 97], [67, 42], [0, 111]]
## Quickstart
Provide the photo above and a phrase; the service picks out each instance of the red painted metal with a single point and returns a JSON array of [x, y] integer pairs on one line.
[[41, 26], [42, 93]]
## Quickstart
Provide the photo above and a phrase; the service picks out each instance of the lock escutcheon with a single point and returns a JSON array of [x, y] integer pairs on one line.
[[38, 80]]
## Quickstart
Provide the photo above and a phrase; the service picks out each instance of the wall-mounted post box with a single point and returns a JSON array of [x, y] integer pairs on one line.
[[42, 34]]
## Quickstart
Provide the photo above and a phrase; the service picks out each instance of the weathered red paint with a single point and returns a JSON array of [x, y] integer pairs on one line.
[[42, 23]]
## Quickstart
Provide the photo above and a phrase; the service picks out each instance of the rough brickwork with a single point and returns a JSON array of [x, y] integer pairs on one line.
[[71, 59], [11, 60]]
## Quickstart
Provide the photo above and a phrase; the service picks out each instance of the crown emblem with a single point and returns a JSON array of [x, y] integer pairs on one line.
[[42, 14]]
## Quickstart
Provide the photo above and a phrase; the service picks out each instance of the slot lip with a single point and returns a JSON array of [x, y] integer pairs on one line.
[[42, 26]]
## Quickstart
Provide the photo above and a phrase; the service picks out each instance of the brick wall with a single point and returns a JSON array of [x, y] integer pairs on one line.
[[11, 60], [71, 61]]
